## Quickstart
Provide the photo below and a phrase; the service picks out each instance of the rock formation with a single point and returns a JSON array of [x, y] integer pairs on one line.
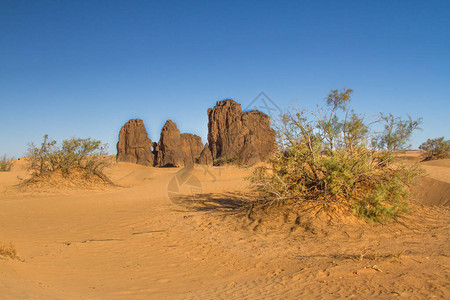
[[238, 136], [192, 146], [205, 157], [169, 149], [234, 136], [177, 149], [134, 144]]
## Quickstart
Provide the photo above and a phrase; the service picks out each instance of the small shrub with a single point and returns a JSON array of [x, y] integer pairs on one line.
[[6, 163], [42, 160], [332, 157], [223, 161], [437, 148], [84, 154], [8, 251], [87, 155], [396, 132]]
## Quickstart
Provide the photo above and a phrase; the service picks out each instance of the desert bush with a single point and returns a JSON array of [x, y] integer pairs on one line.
[[75, 153], [332, 157], [223, 161], [6, 163], [42, 160], [85, 154], [437, 148], [396, 133]]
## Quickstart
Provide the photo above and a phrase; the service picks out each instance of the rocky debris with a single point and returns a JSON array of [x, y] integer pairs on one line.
[[169, 149], [237, 136], [192, 146], [134, 144], [205, 157]]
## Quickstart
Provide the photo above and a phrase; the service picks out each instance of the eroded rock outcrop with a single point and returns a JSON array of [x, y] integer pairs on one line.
[[169, 149], [234, 136], [177, 149], [205, 157], [134, 144], [192, 146], [237, 136]]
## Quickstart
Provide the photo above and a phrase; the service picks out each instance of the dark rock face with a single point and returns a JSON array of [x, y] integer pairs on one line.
[[169, 149], [237, 136], [173, 150], [205, 157], [134, 144], [177, 149], [233, 136], [192, 146]]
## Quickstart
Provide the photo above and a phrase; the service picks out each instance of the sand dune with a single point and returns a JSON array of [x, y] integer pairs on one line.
[[434, 187], [137, 241]]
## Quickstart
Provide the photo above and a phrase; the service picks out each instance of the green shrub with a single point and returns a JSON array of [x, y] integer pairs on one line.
[[437, 148], [42, 160], [75, 153], [223, 161], [6, 163], [396, 132], [333, 157]]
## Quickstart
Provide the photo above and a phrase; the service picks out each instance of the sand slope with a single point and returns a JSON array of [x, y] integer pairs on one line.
[[434, 188], [135, 242]]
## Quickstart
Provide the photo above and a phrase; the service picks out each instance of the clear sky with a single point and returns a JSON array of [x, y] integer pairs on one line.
[[83, 68]]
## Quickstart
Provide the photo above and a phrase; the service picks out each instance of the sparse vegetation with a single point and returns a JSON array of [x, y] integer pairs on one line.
[[75, 154], [437, 148], [333, 158], [8, 251], [223, 161], [6, 163]]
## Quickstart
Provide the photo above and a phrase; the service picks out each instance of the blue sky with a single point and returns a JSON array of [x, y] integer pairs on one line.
[[83, 68]]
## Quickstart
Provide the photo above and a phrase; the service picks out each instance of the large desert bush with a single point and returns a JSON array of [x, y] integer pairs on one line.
[[74, 154], [332, 157], [437, 148], [6, 163]]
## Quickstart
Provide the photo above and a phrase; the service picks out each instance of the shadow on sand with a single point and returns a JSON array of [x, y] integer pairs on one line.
[[231, 202]]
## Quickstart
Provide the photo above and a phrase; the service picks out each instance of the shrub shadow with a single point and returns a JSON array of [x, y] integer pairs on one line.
[[230, 202]]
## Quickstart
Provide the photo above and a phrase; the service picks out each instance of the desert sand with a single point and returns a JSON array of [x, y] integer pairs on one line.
[[137, 241]]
